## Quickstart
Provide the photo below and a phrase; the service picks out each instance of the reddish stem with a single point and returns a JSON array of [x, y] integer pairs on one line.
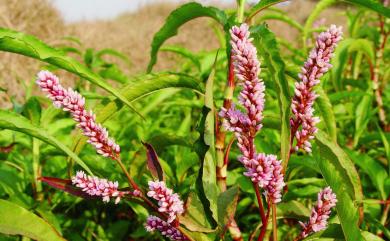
[[260, 202], [265, 224]]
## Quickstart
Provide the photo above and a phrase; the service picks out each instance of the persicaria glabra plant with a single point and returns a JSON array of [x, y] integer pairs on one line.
[[265, 170]]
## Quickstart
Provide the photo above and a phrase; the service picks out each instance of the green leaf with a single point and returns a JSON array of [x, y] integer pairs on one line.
[[371, 237], [32, 110], [341, 175], [343, 51], [362, 116], [195, 218], [374, 170], [15, 220], [227, 203], [140, 87], [16, 42], [13, 121], [372, 5], [113, 52], [176, 19], [332, 233], [292, 209], [263, 4], [209, 166], [281, 17], [184, 52], [386, 145], [320, 6], [269, 49], [161, 141], [327, 114]]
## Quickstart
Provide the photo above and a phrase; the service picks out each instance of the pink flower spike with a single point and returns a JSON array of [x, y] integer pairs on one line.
[[274, 189], [154, 223], [168, 201], [263, 170], [320, 213], [71, 101], [316, 66], [95, 186], [247, 70]]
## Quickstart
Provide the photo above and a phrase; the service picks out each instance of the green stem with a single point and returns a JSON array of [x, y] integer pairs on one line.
[[240, 10], [37, 186]]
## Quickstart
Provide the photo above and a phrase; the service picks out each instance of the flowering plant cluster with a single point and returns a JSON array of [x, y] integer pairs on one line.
[[203, 160], [264, 170], [169, 204]]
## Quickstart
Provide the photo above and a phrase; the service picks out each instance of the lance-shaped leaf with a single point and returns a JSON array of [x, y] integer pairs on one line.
[[269, 49], [227, 204], [372, 5], [13, 121], [179, 17], [16, 220], [66, 186], [205, 148], [154, 165], [137, 88], [263, 4], [341, 175]]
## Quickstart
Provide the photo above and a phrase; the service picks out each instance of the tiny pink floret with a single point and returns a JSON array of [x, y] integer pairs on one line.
[[71, 101], [168, 201], [95, 186]]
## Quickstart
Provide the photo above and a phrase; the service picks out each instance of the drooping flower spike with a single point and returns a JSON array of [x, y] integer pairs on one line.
[[71, 101], [317, 64], [154, 223], [264, 170], [326, 200], [168, 201], [95, 186]]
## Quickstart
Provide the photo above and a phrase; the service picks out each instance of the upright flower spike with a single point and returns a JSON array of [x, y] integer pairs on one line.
[[71, 101], [264, 170], [154, 223], [320, 213], [168, 201], [95, 186], [316, 66], [247, 70]]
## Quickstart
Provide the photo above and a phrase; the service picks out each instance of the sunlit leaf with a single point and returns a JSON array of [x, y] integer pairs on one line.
[[15, 220]]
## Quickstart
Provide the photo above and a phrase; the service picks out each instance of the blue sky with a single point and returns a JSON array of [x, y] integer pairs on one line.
[[75, 10]]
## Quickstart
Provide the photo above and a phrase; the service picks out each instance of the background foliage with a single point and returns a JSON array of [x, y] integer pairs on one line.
[[173, 109]]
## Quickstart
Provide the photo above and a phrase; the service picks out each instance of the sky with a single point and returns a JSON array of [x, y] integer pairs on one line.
[[76, 10]]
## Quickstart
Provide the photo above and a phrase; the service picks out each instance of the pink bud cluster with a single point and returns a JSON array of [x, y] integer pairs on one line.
[[302, 104], [72, 101], [264, 170], [247, 70], [154, 223], [95, 186], [320, 213], [168, 201]]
